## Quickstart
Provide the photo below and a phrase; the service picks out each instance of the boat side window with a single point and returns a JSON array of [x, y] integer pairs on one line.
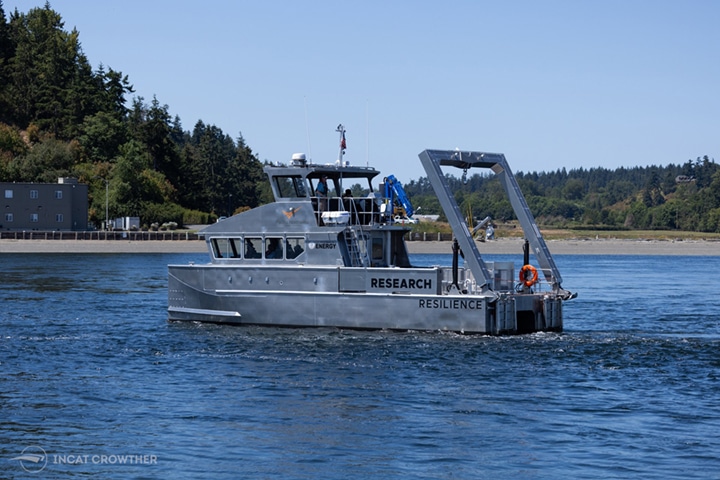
[[237, 246], [224, 248], [274, 248], [294, 247], [378, 252], [253, 247], [291, 187]]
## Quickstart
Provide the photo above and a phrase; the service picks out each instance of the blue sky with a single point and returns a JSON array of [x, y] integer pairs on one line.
[[551, 84]]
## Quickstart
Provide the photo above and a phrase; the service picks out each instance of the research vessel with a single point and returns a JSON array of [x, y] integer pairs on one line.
[[336, 256]]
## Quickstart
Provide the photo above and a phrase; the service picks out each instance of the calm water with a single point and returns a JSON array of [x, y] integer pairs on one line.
[[92, 375]]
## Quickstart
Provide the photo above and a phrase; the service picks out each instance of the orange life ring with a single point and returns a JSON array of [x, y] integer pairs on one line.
[[529, 282]]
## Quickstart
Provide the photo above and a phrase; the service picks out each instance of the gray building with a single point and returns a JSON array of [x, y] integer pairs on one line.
[[44, 206]]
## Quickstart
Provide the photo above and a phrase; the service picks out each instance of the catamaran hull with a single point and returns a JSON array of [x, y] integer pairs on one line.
[[253, 297]]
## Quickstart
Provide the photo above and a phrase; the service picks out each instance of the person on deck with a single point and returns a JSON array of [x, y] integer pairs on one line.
[[272, 249], [322, 192], [347, 200], [250, 251]]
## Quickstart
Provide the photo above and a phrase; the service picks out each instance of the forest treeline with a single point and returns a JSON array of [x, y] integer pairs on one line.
[[59, 117], [684, 196]]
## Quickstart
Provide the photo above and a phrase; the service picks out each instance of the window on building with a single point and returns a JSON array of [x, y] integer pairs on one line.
[[58, 194], [59, 217], [34, 217], [8, 194], [33, 194], [8, 217]]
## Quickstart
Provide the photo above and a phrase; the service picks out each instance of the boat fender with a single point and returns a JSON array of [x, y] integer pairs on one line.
[[531, 279]]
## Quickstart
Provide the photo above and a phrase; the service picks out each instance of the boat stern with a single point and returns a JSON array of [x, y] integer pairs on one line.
[[520, 314]]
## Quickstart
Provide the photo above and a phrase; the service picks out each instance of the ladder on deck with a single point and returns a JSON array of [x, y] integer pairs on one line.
[[357, 250]]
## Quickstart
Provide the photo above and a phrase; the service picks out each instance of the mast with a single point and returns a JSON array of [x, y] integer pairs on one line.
[[341, 130]]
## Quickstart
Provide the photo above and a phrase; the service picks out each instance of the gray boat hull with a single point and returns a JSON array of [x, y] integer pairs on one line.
[[330, 297]]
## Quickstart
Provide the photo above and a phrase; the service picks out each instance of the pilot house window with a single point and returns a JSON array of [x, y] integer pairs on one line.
[[271, 248], [224, 248], [274, 248], [294, 247], [291, 187], [253, 247]]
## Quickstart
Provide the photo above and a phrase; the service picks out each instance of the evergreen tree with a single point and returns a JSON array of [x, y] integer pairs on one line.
[[244, 176], [7, 52], [50, 79], [127, 192], [114, 88], [101, 136]]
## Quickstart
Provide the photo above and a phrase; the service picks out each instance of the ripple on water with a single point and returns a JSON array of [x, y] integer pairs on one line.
[[90, 365]]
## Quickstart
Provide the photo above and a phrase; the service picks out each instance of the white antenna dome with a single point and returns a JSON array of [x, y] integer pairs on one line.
[[298, 159]]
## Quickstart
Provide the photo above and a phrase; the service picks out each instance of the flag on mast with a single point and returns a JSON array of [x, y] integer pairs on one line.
[[343, 145]]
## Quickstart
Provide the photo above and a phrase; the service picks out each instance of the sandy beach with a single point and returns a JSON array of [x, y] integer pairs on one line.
[[500, 246], [102, 246]]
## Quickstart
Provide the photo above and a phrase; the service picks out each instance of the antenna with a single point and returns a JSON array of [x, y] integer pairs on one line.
[[307, 131], [340, 129], [367, 133]]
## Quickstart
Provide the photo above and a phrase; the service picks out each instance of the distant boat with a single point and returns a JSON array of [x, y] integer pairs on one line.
[[314, 259]]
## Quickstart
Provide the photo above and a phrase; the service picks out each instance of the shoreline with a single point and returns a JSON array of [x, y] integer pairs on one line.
[[102, 246], [585, 247], [497, 247]]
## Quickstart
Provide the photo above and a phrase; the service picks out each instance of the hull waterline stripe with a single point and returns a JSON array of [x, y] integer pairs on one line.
[[202, 311]]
